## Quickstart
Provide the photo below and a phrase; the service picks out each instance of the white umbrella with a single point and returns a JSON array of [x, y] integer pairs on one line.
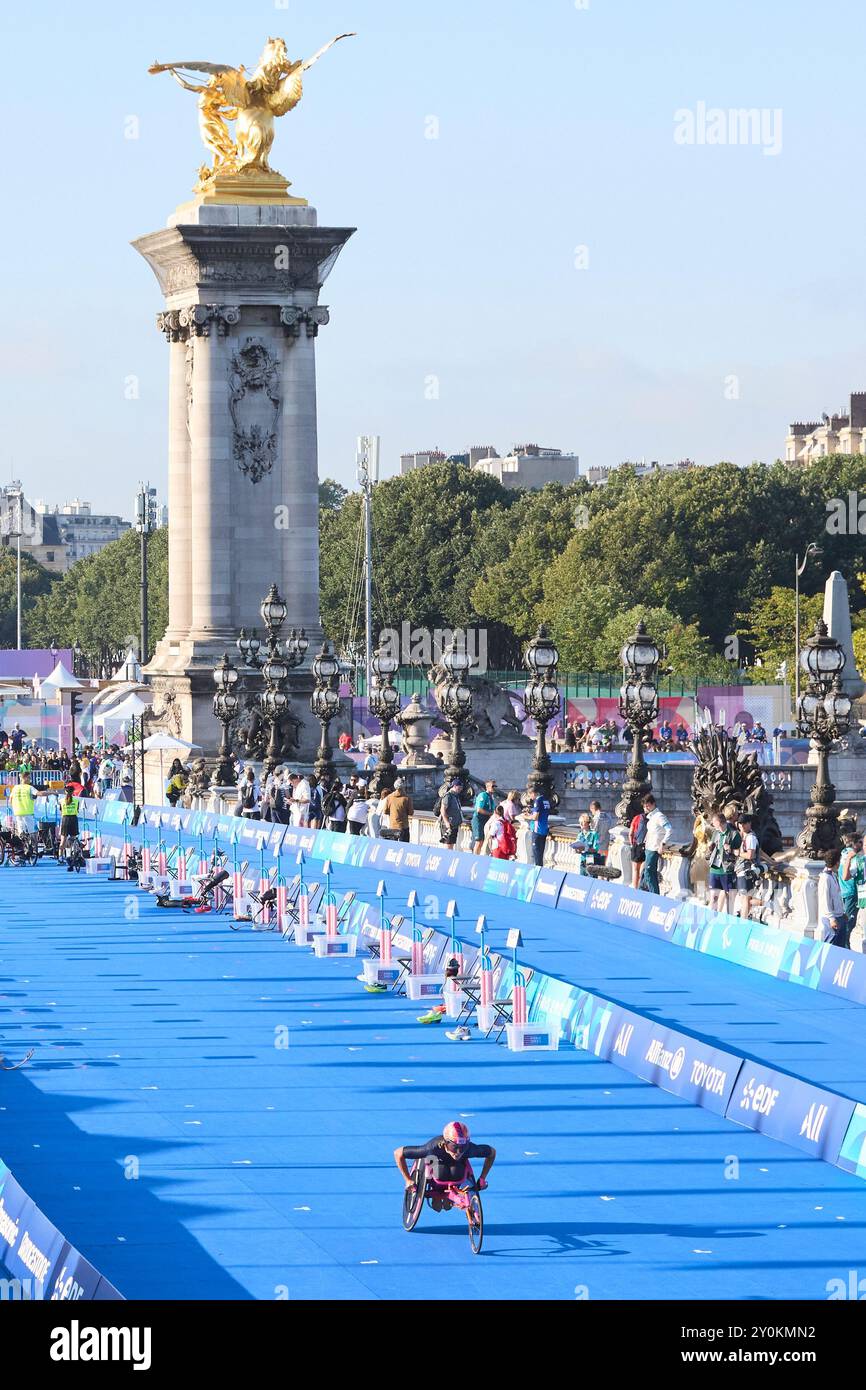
[[168, 742]]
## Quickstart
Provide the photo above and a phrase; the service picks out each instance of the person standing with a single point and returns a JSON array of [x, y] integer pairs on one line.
[[747, 871], [852, 878], [356, 815], [450, 814], [482, 810], [831, 908], [600, 821], [658, 832], [301, 799], [724, 843], [399, 809], [539, 826], [317, 814]]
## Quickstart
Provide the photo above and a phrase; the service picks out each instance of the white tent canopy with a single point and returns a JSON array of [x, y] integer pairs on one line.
[[130, 708], [129, 669], [61, 679]]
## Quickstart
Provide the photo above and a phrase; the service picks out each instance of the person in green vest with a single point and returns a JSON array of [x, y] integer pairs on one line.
[[68, 820], [23, 806]]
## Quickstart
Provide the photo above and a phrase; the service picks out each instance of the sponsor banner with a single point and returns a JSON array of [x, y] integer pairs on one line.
[[574, 893], [554, 1002], [644, 912], [674, 1061], [34, 1253], [472, 870], [591, 1024], [499, 877], [713, 933], [297, 838], [442, 864], [791, 1110], [852, 1155], [358, 850], [843, 972], [523, 878], [545, 889]]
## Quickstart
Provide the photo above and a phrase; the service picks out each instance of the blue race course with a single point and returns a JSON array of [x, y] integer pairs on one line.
[[166, 1131]]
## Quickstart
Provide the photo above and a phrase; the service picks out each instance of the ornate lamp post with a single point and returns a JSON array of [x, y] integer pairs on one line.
[[542, 703], [384, 700], [454, 699], [639, 707], [275, 665], [225, 708], [824, 712], [325, 704]]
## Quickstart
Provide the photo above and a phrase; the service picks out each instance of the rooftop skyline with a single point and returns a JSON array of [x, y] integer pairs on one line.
[[554, 259]]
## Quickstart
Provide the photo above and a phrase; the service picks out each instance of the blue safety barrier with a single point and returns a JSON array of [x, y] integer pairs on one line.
[[35, 1254]]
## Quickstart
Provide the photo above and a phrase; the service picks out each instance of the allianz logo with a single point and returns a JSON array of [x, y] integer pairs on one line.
[[665, 920], [659, 1056]]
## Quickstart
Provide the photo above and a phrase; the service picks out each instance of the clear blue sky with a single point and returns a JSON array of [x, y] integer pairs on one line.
[[556, 131]]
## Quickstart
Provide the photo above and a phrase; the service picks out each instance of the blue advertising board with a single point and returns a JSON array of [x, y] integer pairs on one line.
[[852, 1155], [545, 889], [35, 1254], [843, 972], [674, 1061], [785, 1108]]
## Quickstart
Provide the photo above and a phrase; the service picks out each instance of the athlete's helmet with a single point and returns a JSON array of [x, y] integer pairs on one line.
[[456, 1133]]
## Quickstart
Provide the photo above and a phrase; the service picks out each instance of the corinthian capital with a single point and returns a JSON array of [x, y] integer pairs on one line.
[[170, 324]]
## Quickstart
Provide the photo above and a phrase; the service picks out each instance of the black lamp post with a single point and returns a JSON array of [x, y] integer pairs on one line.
[[384, 700], [824, 712], [542, 703], [639, 707], [280, 658], [325, 705], [225, 708], [454, 698]]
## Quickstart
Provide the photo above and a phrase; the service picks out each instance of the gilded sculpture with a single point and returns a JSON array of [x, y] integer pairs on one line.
[[252, 101]]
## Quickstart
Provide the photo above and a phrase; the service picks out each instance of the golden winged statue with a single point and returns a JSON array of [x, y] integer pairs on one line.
[[252, 100]]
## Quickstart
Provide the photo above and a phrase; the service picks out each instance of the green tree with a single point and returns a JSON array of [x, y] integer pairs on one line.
[[35, 581], [687, 652], [769, 626], [332, 495], [97, 601]]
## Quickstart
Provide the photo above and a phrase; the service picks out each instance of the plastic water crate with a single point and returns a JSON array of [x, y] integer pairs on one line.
[[335, 946], [306, 936], [145, 881], [181, 888], [161, 886], [454, 1001], [105, 867], [532, 1037], [424, 986], [377, 973], [485, 1017]]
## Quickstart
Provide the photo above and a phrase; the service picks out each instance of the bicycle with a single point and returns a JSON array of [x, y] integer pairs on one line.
[[424, 1186], [18, 850]]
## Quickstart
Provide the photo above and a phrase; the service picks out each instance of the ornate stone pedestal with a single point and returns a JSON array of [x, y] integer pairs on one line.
[[241, 285]]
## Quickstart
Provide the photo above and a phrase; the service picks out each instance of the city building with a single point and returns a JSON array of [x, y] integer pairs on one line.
[[832, 434], [410, 462], [530, 467], [526, 466], [597, 476], [41, 536], [84, 532]]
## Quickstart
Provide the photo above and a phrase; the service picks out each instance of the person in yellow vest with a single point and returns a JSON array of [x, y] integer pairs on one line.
[[23, 806], [68, 819]]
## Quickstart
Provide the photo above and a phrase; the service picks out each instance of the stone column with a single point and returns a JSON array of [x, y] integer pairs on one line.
[[179, 555], [211, 509], [300, 475]]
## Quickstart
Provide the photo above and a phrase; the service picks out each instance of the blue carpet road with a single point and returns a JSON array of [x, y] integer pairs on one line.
[[167, 1132]]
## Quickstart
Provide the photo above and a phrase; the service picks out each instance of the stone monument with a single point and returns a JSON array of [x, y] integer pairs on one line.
[[241, 267], [837, 616]]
